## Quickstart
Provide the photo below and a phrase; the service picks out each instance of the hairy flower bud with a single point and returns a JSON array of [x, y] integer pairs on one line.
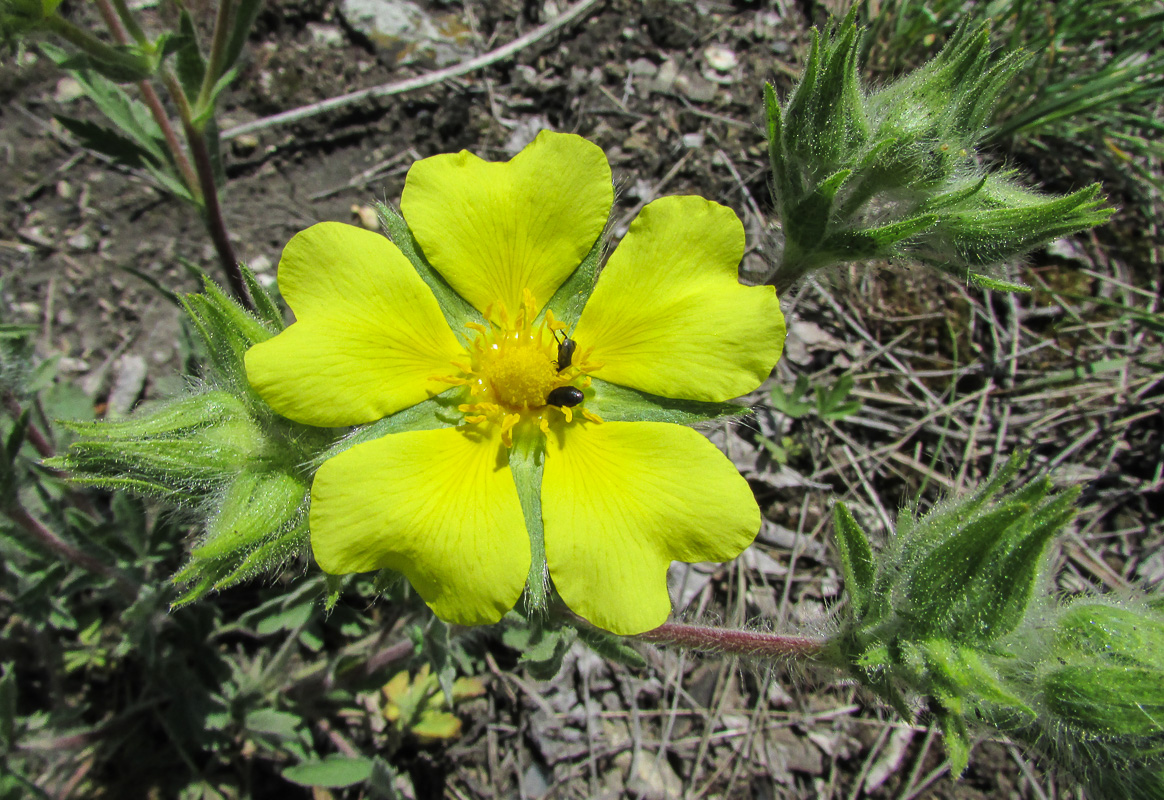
[[893, 173], [221, 452], [927, 614]]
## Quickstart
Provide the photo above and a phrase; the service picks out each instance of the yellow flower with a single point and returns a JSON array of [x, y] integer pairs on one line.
[[537, 458]]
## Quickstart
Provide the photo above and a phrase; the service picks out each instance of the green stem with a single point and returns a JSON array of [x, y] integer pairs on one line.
[[217, 52], [84, 40], [732, 641]]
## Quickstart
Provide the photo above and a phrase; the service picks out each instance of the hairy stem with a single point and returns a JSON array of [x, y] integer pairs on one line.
[[732, 641], [58, 546], [211, 209]]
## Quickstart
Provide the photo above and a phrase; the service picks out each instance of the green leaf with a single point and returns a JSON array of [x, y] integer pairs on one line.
[[792, 404], [611, 647], [333, 772], [127, 114], [8, 692], [100, 139], [189, 64], [270, 722], [857, 564], [244, 18]]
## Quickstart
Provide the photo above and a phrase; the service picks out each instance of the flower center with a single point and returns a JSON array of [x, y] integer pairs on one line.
[[518, 372]]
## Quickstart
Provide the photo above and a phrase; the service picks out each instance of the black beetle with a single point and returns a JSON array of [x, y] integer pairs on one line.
[[566, 349], [565, 396]]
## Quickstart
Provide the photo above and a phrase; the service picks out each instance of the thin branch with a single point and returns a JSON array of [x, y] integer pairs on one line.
[[733, 641], [212, 210], [113, 20], [58, 546], [420, 81]]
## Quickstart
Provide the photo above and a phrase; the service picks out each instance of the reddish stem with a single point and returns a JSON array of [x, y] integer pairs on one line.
[[50, 541], [733, 641]]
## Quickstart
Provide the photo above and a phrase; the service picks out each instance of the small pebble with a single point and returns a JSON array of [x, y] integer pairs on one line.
[[693, 141], [366, 216], [720, 58], [80, 242], [68, 90]]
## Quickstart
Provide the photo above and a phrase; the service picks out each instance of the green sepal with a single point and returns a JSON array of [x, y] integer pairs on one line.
[[436, 412], [457, 311], [1002, 590], [266, 309], [227, 331], [955, 737], [1131, 636], [571, 297], [857, 565], [939, 584], [201, 578], [254, 505], [526, 463], [879, 242], [785, 185], [615, 403], [962, 672], [1107, 700]]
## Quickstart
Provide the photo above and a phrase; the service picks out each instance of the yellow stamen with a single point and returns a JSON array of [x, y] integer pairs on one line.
[[512, 369]]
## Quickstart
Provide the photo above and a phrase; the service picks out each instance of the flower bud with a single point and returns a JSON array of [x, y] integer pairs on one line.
[[891, 173], [1108, 701]]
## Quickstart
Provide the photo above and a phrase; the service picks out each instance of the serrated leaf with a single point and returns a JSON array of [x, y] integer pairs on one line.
[[108, 142], [188, 62], [792, 404], [611, 647], [857, 564], [333, 772], [245, 14], [128, 115]]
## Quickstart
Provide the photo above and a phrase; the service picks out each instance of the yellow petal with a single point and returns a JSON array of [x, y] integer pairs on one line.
[[369, 334], [492, 229], [438, 506], [621, 501], [669, 315]]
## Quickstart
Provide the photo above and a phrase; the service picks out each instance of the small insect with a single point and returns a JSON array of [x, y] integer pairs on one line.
[[565, 396], [566, 348]]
